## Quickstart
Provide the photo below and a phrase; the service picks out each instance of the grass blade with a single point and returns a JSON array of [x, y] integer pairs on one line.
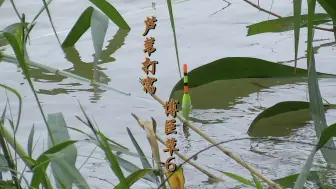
[[297, 23], [236, 177], [30, 141], [316, 103], [257, 182], [42, 162], [112, 160], [300, 181], [111, 13], [22, 62], [131, 168], [326, 135], [50, 20], [82, 24], [145, 163], [134, 177], [20, 103], [171, 16]]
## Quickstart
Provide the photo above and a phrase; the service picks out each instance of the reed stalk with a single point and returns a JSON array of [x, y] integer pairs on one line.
[[224, 150]]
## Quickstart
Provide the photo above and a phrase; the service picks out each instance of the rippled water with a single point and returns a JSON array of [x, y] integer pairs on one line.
[[202, 37]]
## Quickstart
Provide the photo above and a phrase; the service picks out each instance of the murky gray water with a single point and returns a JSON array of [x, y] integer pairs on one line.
[[201, 39]]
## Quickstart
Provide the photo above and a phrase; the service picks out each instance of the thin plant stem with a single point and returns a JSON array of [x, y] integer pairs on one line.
[[210, 175]]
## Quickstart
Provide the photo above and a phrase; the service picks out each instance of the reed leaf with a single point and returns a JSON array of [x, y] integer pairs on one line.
[[99, 25], [145, 163], [82, 24], [60, 134], [171, 17], [285, 23], [111, 13], [297, 25], [134, 177]]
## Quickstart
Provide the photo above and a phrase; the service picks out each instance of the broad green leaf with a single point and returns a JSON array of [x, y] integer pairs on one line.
[[257, 182], [171, 17], [42, 162], [99, 25], [60, 134], [226, 74], [237, 178], [134, 177], [111, 12], [297, 25], [30, 141], [143, 159], [82, 24], [67, 171], [284, 24], [281, 118], [326, 135]]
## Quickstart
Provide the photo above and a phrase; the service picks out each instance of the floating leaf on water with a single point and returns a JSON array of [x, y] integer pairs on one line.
[[284, 24], [281, 118], [209, 84]]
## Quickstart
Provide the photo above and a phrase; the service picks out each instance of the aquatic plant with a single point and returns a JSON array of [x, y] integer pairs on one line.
[[62, 152]]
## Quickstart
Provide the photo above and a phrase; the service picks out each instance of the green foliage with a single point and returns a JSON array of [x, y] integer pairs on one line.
[[111, 13], [82, 24], [171, 17], [60, 134], [285, 24], [238, 68], [330, 7]]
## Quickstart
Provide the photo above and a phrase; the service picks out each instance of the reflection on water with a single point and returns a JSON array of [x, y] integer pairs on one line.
[[82, 69]]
